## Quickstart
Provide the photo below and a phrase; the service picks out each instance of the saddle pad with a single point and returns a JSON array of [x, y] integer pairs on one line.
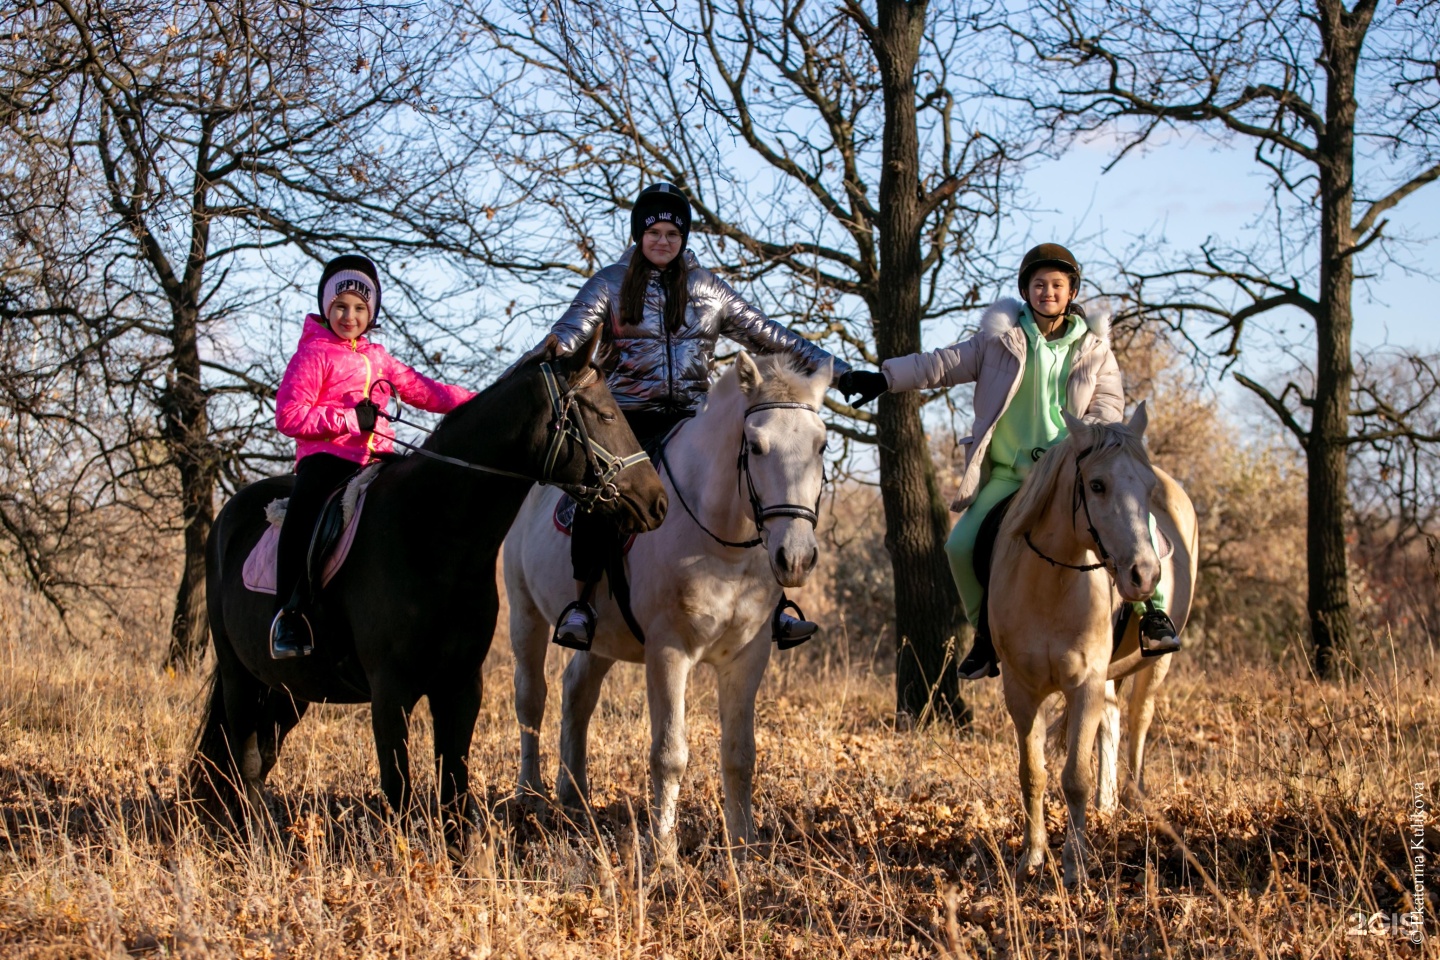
[[564, 518], [258, 573]]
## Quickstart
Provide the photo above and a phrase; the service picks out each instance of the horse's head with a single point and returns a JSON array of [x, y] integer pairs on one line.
[[783, 459], [1112, 499], [585, 444]]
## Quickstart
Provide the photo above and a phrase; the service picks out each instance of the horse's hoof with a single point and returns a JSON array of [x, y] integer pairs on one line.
[[1030, 865]]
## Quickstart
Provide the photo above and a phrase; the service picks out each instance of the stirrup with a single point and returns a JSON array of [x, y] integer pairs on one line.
[[300, 641], [788, 632], [1157, 633], [570, 641]]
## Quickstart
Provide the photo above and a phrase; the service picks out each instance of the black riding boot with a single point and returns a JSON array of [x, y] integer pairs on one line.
[[575, 627], [1158, 635], [788, 631], [981, 661], [290, 633]]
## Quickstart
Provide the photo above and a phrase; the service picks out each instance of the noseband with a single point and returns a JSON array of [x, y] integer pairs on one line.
[[758, 510], [566, 423]]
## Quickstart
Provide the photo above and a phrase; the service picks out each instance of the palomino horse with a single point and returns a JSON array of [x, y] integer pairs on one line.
[[1053, 609], [699, 593], [412, 612]]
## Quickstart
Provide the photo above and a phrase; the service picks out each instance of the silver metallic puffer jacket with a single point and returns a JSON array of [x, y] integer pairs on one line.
[[658, 370]]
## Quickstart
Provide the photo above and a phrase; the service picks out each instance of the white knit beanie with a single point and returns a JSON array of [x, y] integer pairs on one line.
[[347, 281]]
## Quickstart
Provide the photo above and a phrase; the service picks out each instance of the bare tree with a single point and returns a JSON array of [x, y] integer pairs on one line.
[[1340, 106], [167, 164], [836, 169]]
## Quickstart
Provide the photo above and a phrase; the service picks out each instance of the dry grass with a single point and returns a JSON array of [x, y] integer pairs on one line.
[[1278, 807]]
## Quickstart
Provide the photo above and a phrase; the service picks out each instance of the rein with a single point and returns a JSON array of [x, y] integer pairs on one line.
[[760, 512], [565, 424]]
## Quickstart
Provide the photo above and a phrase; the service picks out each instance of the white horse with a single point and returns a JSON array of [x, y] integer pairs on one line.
[[695, 598], [1077, 535]]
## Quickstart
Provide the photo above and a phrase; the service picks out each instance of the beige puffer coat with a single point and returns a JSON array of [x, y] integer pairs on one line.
[[994, 360]]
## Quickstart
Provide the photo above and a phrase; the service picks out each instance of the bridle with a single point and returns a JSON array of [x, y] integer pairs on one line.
[[1078, 501], [566, 423], [758, 510]]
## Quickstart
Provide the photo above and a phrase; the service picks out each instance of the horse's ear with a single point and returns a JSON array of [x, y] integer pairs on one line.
[[747, 373], [1076, 427], [1139, 421], [595, 346]]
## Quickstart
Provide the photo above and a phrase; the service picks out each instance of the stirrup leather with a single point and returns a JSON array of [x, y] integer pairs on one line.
[[590, 617]]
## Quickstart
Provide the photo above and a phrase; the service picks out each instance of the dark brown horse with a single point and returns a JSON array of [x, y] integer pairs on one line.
[[412, 611]]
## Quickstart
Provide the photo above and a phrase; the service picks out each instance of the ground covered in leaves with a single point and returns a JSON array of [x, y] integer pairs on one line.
[[1279, 812]]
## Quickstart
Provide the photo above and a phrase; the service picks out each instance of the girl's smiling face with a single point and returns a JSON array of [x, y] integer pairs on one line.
[[349, 316], [661, 243], [1048, 292]]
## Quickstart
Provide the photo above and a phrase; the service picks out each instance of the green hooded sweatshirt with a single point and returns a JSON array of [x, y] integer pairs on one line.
[[1032, 421]]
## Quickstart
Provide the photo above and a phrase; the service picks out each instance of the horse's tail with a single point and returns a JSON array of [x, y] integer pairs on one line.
[[210, 777]]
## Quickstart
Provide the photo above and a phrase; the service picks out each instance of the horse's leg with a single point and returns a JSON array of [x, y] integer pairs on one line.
[[583, 678], [530, 642], [1142, 711], [280, 715], [739, 681], [1087, 707], [454, 710], [1024, 707], [390, 707], [667, 672], [1107, 746]]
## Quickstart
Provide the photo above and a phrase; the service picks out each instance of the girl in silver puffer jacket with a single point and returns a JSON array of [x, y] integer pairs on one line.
[[662, 313]]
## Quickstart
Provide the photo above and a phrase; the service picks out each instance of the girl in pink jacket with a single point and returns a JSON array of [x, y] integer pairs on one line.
[[329, 401]]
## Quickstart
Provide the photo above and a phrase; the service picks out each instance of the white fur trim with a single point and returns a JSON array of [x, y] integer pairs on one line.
[[1004, 315], [275, 511]]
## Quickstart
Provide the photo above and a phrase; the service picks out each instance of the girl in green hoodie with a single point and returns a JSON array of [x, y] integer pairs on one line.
[[1028, 361]]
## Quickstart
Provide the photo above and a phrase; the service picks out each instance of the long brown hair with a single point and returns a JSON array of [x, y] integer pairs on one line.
[[674, 280]]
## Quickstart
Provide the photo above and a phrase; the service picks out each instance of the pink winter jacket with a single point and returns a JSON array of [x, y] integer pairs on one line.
[[994, 360], [329, 375]]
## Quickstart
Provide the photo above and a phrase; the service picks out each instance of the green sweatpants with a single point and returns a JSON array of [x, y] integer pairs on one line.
[[960, 545]]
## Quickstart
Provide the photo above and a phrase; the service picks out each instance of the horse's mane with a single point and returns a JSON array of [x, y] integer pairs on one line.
[[448, 421], [783, 379], [1106, 439]]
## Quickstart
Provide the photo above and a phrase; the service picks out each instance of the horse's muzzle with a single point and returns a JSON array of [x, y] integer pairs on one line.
[[1138, 580]]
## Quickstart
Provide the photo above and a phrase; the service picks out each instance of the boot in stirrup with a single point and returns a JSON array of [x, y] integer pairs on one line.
[[575, 627], [1158, 635], [290, 635], [981, 661], [788, 631]]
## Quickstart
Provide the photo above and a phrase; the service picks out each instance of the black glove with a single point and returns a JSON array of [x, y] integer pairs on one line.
[[867, 384], [365, 413]]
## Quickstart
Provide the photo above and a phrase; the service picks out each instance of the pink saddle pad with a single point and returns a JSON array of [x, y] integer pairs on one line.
[[259, 571]]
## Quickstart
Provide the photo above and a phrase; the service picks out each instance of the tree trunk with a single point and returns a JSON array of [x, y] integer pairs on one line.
[[916, 519], [187, 436], [1328, 601]]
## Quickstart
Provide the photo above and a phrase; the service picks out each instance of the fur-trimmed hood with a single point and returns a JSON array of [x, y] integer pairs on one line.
[[1004, 315]]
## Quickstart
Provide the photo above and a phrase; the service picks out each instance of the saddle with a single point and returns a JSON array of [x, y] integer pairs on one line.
[[329, 543]]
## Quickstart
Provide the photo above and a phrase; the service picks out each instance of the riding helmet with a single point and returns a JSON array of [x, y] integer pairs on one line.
[[660, 201], [350, 273], [1049, 255]]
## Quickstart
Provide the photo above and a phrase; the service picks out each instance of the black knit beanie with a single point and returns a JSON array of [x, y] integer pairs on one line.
[[657, 202]]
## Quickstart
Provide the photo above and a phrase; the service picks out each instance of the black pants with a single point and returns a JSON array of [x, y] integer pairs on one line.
[[316, 477], [594, 539]]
